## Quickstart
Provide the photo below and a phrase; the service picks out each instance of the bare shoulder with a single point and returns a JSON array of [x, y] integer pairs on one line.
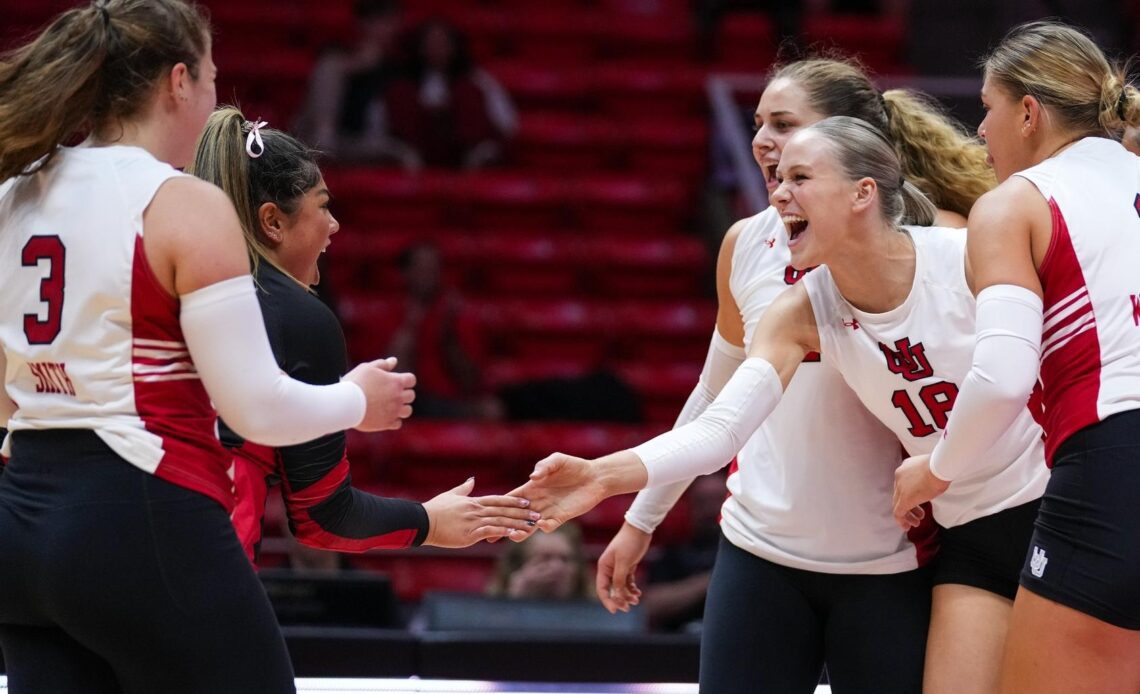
[[1007, 231], [728, 320], [1016, 201], [192, 235], [189, 201], [791, 315]]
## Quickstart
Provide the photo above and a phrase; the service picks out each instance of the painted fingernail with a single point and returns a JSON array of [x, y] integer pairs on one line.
[[535, 515], [530, 523], [524, 503]]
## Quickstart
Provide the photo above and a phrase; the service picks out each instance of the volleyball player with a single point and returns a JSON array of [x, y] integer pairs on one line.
[[808, 516], [126, 309], [283, 206], [893, 313], [1055, 250]]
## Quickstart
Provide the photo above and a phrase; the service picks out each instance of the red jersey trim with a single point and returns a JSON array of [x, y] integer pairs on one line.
[[1070, 357], [174, 406]]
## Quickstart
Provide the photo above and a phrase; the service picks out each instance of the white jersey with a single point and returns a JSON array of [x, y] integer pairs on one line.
[[1090, 349], [812, 488], [92, 340], [907, 364]]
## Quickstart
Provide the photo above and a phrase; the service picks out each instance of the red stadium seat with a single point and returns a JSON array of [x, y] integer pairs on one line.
[[746, 42], [642, 92], [880, 42], [625, 204]]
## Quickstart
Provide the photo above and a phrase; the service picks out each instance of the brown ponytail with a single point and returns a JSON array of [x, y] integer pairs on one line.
[[89, 68]]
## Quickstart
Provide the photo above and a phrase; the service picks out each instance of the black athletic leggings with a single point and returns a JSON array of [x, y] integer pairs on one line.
[[768, 628], [116, 581]]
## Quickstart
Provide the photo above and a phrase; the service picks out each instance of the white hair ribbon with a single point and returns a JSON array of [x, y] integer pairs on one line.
[[254, 137]]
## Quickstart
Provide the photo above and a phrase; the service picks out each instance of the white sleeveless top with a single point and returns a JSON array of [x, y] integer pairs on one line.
[[812, 488], [91, 338], [906, 366], [1090, 349]]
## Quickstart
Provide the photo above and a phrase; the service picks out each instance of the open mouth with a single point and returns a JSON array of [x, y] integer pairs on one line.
[[796, 226], [770, 181]]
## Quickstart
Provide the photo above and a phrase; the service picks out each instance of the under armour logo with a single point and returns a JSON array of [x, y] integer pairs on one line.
[[771, 242], [906, 360], [853, 324], [1038, 561]]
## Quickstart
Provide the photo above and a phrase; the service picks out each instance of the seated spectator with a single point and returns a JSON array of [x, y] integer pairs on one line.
[[674, 595], [439, 342], [343, 114], [435, 338], [449, 111], [545, 566]]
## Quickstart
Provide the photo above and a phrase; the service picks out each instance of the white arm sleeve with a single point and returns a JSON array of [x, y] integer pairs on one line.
[[652, 504], [708, 443], [225, 334], [1005, 366]]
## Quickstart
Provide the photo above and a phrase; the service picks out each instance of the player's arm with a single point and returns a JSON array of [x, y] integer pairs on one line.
[[1001, 250], [193, 244], [725, 354], [324, 509], [562, 487], [617, 566]]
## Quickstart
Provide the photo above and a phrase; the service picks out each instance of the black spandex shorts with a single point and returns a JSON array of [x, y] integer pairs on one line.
[[1085, 551], [987, 552], [114, 580], [771, 628]]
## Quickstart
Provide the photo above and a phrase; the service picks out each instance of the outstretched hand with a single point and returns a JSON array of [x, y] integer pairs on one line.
[[562, 487], [915, 485], [459, 520]]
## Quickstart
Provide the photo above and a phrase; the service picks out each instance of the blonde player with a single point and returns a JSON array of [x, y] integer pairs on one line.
[[810, 559], [1055, 251], [893, 312]]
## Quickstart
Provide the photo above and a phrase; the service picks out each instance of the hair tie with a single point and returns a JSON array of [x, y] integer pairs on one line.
[[1122, 103], [101, 6], [254, 137]]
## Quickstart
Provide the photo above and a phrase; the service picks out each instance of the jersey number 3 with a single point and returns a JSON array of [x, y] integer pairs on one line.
[[49, 248]]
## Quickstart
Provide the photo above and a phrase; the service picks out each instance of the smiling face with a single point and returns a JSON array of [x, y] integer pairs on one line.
[[814, 198], [784, 109], [1005, 129], [305, 234]]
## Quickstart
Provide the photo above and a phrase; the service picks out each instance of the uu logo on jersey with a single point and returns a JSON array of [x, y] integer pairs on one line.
[[1038, 561], [908, 361]]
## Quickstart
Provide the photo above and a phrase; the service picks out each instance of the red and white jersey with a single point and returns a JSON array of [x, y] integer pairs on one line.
[[1090, 345], [92, 340], [812, 488], [907, 364]]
